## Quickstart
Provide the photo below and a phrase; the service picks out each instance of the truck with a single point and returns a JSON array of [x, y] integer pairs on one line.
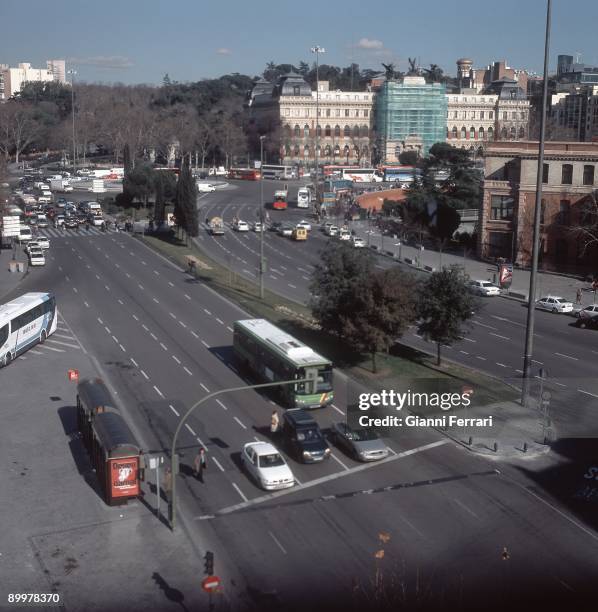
[[216, 226], [60, 185], [220, 171]]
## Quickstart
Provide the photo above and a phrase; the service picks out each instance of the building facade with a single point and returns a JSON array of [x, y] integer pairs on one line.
[[13, 79], [570, 181], [471, 119], [407, 109]]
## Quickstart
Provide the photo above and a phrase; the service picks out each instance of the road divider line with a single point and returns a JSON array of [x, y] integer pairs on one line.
[[205, 344], [499, 336], [194, 334], [204, 387], [158, 391], [144, 375], [173, 409], [207, 311], [175, 358], [188, 370], [187, 296], [240, 492], [221, 404], [567, 356], [182, 324], [164, 347], [122, 348], [190, 430], [587, 393], [134, 362], [217, 464], [240, 423]]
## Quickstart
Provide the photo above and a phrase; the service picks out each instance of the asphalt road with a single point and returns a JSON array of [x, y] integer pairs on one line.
[[441, 515]]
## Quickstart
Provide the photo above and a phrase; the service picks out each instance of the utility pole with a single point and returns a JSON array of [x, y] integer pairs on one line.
[[317, 50], [529, 331], [73, 73], [262, 263]]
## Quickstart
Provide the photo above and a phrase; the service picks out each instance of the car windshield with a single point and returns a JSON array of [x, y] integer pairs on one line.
[[272, 460], [362, 435], [487, 284], [309, 435]]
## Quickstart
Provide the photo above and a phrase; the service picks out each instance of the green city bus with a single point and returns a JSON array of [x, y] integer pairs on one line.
[[271, 354]]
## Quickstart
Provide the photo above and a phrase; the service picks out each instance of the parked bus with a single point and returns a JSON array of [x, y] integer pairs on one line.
[[246, 174], [336, 170], [271, 354], [279, 172], [303, 197], [24, 322], [361, 175], [401, 174], [280, 199]]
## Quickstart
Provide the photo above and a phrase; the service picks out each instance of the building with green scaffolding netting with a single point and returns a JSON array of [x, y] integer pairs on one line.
[[410, 115]]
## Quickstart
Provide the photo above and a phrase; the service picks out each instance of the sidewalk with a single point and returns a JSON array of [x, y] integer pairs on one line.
[[548, 284]]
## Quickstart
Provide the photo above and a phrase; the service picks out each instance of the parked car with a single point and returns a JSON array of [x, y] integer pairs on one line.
[[302, 436], [241, 226], [554, 304], [267, 466], [483, 287], [362, 444], [357, 242], [589, 312]]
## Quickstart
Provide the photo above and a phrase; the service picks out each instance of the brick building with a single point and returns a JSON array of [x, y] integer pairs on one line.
[[570, 183]]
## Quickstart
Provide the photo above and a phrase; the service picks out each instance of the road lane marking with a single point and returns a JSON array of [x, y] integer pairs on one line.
[[75, 290], [219, 321], [145, 327], [538, 362], [587, 393], [140, 285], [558, 383], [121, 302], [468, 510], [189, 428], [144, 375], [158, 391], [107, 330], [481, 358], [230, 329], [204, 387], [207, 311], [338, 461], [122, 348], [519, 371], [337, 409], [464, 352], [156, 273], [45, 346], [483, 325], [499, 336], [153, 336], [135, 317], [292, 286], [187, 296], [240, 492], [86, 304], [175, 357], [172, 315], [107, 288], [164, 347], [188, 370], [171, 284], [134, 362], [567, 356], [240, 423], [221, 404], [173, 409], [62, 343], [205, 344], [155, 300], [194, 334], [182, 324], [277, 542], [217, 464], [502, 365]]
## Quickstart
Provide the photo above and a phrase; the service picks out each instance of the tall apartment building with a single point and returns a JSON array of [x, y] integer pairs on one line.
[[570, 178], [410, 114], [13, 79]]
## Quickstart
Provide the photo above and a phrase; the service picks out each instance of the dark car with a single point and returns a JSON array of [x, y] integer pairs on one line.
[[275, 227], [71, 222], [587, 323], [302, 437]]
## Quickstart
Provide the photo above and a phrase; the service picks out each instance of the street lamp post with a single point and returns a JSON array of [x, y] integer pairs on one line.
[[529, 331], [317, 50], [73, 73], [197, 405], [262, 218]]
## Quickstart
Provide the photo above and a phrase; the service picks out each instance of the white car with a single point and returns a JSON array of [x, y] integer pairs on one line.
[[267, 466], [43, 242], [305, 225], [36, 257], [483, 287], [554, 304], [258, 227], [241, 226], [331, 230], [344, 234], [205, 187], [357, 242]]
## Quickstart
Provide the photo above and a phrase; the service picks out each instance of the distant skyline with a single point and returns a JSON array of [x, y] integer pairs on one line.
[[139, 42]]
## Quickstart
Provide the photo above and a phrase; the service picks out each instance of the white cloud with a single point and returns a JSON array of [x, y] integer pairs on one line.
[[369, 43], [103, 61], [223, 51]]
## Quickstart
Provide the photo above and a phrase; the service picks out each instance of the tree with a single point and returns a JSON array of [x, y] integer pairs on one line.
[[127, 162], [408, 158], [18, 127], [383, 307], [585, 227], [444, 305], [164, 190], [189, 202], [139, 183]]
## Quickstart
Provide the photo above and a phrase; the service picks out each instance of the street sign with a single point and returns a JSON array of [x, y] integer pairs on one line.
[[210, 584], [73, 375]]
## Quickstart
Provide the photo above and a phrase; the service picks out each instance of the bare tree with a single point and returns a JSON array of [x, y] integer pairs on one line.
[[18, 127], [585, 228]]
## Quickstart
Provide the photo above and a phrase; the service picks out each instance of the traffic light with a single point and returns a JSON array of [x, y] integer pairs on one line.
[[209, 563]]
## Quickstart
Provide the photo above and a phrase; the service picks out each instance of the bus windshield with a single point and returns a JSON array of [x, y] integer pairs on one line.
[[324, 381]]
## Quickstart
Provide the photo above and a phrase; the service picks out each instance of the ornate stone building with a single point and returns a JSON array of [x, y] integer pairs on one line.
[[471, 119]]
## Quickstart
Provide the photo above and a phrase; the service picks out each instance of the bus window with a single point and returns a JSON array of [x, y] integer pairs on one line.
[[3, 334], [324, 381]]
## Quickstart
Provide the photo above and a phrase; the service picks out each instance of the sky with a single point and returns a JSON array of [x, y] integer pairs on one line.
[[135, 41]]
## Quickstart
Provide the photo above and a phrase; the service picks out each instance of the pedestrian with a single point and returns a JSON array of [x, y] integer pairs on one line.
[[200, 464], [578, 296], [274, 423], [167, 483]]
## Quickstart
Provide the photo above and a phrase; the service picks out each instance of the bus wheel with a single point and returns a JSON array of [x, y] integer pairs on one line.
[[43, 336], [7, 359]]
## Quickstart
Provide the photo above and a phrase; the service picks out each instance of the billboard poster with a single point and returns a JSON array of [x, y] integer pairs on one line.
[[123, 477], [505, 275]]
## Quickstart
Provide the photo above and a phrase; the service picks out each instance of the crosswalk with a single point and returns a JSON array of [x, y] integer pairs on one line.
[[50, 232]]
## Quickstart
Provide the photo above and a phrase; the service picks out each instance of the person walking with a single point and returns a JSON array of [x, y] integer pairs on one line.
[[578, 296], [274, 423], [200, 464]]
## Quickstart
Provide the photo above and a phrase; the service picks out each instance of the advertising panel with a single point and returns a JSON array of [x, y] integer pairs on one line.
[[123, 477]]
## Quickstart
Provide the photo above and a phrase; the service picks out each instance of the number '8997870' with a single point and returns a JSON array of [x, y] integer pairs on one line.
[[29, 598]]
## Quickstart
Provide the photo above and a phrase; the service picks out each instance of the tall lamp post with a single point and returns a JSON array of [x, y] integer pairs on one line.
[[262, 138], [529, 331], [317, 50], [73, 73]]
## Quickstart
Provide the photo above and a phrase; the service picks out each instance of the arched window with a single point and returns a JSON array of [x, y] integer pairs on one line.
[[463, 133], [319, 130], [287, 150], [455, 131], [306, 131], [365, 152], [297, 131], [521, 133], [337, 150], [346, 151], [327, 130], [306, 151], [287, 131], [490, 133], [327, 151], [347, 132], [365, 131], [472, 133], [355, 131], [297, 149], [513, 133], [337, 131], [356, 152], [503, 134], [481, 134]]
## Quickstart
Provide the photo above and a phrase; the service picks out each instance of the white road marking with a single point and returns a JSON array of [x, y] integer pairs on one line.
[[194, 334], [587, 393], [499, 336], [567, 356], [62, 343], [164, 347], [145, 327], [204, 387], [219, 321], [172, 315], [75, 290], [292, 286], [207, 311], [468, 510], [217, 464], [176, 359], [158, 391], [187, 296], [483, 325], [171, 284], [240, 423], [144, 375], [188, 370], [107, 330], [481, 358], [468, 340], [337, 409], [122, 348], [121, 302], [502, 365], [155, 300], [135, 317], [277, 542], [173, 409], [86, 304], [205, 344], [519, 371], [221, 404], [107, 288], [140, 285], [45, 346], [538, 362], [338, 461], [464, 352], [240, 492], [230, 329], [156, 273], [182, 324], [134, 362], [558, 383], [189, 428]]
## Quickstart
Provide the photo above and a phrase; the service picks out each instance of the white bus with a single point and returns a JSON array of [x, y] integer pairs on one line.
[[24, 322], [361, 175], [280, 173], [303, 197]]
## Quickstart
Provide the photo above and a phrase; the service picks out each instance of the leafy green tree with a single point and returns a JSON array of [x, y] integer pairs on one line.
[[139, 183], [189, 192], [444, 305]]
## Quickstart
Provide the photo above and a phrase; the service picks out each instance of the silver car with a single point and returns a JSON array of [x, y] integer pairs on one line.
[[362, 444]]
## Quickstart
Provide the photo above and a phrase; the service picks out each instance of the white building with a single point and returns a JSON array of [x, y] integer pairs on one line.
[[13, 79], [470, 118]]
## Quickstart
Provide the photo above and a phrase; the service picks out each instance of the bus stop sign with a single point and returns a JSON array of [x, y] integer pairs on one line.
[[210, 584]]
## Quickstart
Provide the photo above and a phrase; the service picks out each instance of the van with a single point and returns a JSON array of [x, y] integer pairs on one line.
[[25, 235]]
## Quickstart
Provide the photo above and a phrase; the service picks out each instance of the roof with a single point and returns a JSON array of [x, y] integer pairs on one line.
[[282, 343], [115, 436], [15, 307], [263, 448], [94, 394]]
